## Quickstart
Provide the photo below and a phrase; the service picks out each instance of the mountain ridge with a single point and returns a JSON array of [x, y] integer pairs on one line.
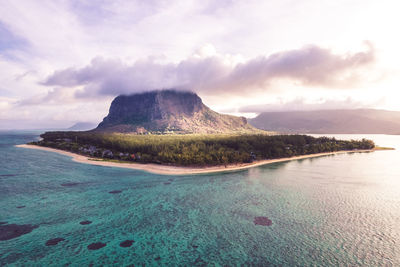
[[339, 121], [82, 126]]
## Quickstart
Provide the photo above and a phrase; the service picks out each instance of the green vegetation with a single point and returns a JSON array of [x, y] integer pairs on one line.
[[199, 150]]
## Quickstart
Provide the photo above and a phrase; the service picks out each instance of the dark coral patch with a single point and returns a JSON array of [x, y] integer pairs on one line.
[[54, 241], [10, 231], [85, 222], [20, 207], [97, 245], [262, 221], [115, 192], [3, 223], [8, 175], [167, 182], [70, 184], [158, 258], [126, 243]]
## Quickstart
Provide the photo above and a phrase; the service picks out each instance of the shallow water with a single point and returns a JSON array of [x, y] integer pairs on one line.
[[336, 210]]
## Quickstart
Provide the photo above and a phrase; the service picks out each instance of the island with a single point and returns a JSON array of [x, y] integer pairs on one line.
[[173, 132]]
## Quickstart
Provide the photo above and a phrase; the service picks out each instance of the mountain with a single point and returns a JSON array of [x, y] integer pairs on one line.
[[354, 121], [82, 126], [168, 111]]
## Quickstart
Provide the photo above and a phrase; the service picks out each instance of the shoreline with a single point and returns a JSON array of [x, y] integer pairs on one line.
[[176, 170]]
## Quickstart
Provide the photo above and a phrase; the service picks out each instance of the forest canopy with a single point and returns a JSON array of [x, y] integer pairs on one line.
[[199, 150]]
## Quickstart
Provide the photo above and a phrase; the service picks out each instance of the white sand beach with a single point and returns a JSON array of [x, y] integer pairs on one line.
[[176, 170]]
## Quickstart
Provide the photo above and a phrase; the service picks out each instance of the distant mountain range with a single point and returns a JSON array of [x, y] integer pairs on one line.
[[82, 126], [168, 111], [356, 121]]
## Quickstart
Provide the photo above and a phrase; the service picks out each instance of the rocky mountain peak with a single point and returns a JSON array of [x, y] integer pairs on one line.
[[167, 111]]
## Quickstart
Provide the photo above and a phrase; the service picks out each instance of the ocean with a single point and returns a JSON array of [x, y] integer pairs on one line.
[[338, 210]]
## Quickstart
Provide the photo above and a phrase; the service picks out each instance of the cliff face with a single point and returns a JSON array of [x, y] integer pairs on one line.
[[168, 111]]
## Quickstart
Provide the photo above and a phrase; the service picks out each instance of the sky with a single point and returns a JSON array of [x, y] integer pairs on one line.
[[63, 61]]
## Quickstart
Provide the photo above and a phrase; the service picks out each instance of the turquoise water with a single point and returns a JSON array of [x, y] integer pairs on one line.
[[341, 210]]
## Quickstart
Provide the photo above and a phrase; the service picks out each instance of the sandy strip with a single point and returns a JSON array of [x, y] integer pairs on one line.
[[174, 170]]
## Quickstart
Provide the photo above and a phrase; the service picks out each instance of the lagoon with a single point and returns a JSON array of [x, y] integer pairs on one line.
[[336, 210]]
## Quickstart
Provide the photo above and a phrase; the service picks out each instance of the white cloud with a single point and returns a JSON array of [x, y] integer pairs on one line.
[[210, 73]]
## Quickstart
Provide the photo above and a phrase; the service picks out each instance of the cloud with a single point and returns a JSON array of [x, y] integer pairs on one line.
[[211, 73], [310, 66], [9, 40], [301, 103]]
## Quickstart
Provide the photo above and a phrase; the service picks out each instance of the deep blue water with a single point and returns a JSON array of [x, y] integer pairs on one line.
[[341, 210]]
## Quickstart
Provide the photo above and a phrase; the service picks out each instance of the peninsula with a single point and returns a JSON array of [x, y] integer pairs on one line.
[[174, 130]]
